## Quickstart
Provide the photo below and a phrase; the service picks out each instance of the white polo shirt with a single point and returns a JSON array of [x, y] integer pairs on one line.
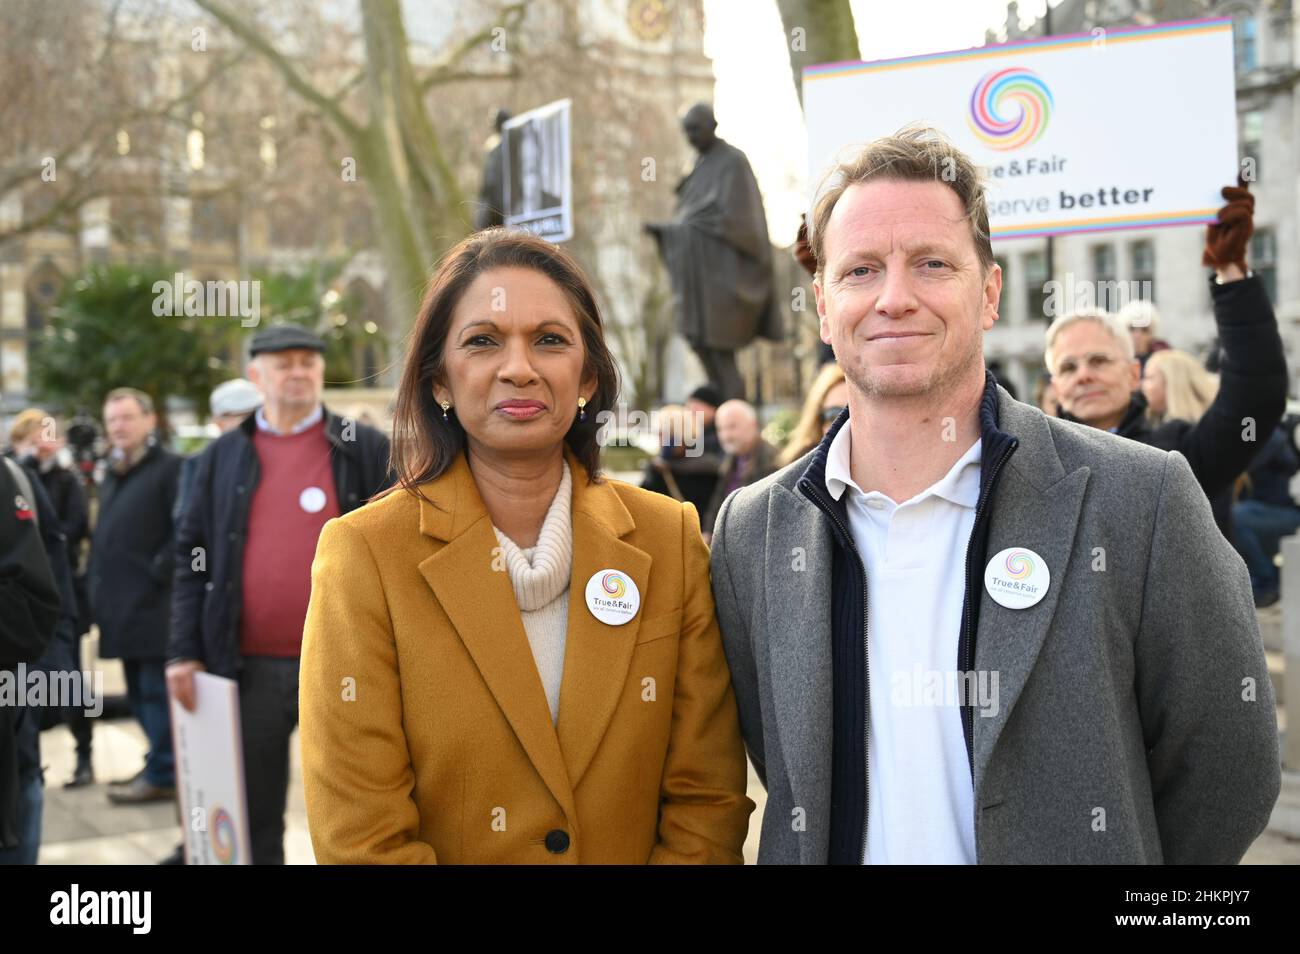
[[920, 804]]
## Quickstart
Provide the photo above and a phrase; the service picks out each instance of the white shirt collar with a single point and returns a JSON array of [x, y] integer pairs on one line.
[[961, 484], [264, 425]]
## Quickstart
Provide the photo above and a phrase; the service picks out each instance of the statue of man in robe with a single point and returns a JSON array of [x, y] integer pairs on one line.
[[718, 256]]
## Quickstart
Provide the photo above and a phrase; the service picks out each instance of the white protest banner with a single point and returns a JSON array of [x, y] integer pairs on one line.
[[210, 774], [538, 174], [1123, 128]]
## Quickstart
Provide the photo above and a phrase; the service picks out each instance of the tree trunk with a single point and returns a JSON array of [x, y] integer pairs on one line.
[[828, 34], [398, 154]]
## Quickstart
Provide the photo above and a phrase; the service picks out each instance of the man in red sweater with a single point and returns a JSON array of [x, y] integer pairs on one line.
[[261, 495]]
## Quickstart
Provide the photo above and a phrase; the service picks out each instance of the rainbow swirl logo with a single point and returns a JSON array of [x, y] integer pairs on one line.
[[614, 585], [222, 832], [1020, 565], [1010, 108]]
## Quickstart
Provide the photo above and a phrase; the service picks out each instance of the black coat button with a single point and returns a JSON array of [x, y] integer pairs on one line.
[[557, 841]]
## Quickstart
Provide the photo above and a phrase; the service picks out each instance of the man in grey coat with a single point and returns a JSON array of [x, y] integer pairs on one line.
[[961, 631]]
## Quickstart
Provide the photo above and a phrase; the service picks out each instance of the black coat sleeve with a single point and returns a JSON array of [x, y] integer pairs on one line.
[[61, 654], [1252, 387], [29, 598], [163, 562], [74, 510], [191, 572]]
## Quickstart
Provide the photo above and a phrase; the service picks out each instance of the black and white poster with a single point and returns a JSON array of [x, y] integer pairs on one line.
[[538, 180]]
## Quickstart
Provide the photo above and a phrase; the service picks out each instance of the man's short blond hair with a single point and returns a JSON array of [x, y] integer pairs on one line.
[[916, 153], [1117, 329]]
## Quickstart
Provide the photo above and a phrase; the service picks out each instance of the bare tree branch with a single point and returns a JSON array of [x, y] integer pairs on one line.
[[254, 39], [457, 76], [512, 15], [82, 174], [347, 87]]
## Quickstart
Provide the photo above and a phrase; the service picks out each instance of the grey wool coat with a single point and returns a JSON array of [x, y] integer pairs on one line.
[[1137, 685]]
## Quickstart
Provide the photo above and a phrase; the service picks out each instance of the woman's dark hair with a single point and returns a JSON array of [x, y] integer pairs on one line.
[[424, 446]]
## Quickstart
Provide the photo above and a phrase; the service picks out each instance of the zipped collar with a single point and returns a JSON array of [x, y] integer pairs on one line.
[[998, 446], [995, 443]]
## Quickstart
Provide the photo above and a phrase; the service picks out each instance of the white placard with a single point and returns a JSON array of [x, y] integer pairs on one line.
[[537, 171], [1120, 128], [210, 774]]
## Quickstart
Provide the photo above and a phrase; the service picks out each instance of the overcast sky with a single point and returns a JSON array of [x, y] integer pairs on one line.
[[755, 101]]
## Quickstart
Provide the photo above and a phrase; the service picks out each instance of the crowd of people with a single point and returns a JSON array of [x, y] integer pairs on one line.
[[198, 564], [495, 653]]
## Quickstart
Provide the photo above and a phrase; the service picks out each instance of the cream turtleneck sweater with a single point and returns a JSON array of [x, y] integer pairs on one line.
[[540, 577]]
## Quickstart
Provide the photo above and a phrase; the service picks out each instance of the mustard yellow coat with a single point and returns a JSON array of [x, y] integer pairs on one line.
[[426, 735]]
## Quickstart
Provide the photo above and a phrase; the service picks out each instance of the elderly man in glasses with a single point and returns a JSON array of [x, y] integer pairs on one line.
[[1096, 370]]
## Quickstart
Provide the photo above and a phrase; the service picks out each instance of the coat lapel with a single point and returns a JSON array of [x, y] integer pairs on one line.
[[481, 605], [597, 655], [799, 558], [1036, 506]]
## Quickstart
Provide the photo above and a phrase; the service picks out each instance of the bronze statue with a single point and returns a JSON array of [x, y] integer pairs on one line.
[[492, 195], [718, 256]]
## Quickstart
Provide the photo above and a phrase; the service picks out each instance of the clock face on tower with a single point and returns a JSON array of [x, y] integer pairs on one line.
[[648, 18]]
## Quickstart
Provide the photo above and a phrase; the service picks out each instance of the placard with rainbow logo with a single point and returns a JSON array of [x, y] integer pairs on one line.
[[1118, 128]]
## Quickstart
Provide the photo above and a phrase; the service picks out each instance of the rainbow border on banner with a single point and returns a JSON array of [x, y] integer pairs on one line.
[[1160, 31], [1113, 35], [1117, 224]]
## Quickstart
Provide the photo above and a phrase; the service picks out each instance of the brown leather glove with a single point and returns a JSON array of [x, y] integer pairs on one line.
[[802, 252], [1226, 240]]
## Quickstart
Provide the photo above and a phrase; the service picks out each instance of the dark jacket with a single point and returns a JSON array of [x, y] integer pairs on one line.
[[849, 623], [130, 560], [68, 496], [1251, 399], [208, 558], [761, 463], [688, 479], [1271, 473], [29, 613], [62, 653], [67, 493]]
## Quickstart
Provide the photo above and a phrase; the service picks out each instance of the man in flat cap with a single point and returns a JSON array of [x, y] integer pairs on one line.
[[260, 495]]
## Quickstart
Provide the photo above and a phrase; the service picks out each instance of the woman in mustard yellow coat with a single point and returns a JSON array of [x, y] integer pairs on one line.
[[507, 658]]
